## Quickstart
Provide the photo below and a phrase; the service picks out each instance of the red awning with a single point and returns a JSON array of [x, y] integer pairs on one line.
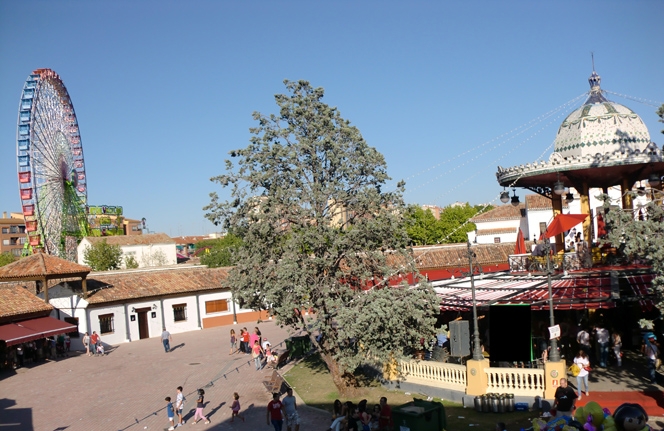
[[33, 329], [641, 285], [569, 294]]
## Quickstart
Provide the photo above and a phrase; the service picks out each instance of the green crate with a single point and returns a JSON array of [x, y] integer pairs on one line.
[[298, 346], [419, 415]]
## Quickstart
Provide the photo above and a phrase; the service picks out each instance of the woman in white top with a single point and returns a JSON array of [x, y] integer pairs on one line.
[[583, 363]]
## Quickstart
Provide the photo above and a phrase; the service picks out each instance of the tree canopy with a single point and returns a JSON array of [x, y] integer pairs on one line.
[[218, 252], [639, 239], [321, 233], [424, 229], [102, 256], [6, 259], [660, 112]]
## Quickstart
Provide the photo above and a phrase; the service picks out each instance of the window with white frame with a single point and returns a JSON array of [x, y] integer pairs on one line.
[[179, 312], [106, 324], [496, 240]]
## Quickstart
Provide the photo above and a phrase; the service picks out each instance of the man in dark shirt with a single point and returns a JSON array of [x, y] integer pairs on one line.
[[565, 399]]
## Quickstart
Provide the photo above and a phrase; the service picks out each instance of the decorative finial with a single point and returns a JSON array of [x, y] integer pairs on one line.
[[596, 95]]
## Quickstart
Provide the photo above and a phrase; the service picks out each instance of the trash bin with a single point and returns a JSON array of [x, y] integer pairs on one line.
[[298, 346], [478, 403], [509, 403], [419, 415]]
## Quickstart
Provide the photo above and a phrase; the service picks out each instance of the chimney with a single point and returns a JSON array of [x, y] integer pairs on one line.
[[4, 214]]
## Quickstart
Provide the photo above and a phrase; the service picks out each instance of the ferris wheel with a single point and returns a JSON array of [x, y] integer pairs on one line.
[[51, 170]]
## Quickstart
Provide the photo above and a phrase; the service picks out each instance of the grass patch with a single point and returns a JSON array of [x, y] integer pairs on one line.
[[313, 383]]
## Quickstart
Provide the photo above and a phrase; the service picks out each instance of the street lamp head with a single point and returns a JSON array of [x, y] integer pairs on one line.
[[504, 197], [559, 188], [569, 198], [641, 191], [515, 198], [654, 180]]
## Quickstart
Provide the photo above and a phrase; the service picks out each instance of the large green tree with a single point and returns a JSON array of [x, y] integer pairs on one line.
[[102, 256], [6, 258], [639, 237], [219, 251], [660, 112], [452, 226], [320, 232]]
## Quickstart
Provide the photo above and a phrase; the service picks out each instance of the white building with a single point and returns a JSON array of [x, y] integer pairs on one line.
[[157, 249], [123, 306]]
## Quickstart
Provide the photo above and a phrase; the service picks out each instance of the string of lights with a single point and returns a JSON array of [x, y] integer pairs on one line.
[[636, 99]]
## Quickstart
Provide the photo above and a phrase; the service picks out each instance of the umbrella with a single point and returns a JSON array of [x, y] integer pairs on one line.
[[520, 247], [601, 226], [563, 222]]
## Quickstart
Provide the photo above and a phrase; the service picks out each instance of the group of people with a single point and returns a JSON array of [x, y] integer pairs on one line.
[[279, 410], [253, 344], [351, 417], [177, 408], [49, 348], [93, 345]]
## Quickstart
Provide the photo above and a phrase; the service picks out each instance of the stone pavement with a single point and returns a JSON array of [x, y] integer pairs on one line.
[[125, 389]]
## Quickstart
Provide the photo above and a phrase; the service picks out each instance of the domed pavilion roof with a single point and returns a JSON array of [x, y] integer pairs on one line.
[[600, 143], [600, 127]]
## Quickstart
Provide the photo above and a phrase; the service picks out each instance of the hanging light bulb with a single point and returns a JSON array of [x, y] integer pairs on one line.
[[654, 180], [559, 187], [569, 198], [504, 196], [515, 198]]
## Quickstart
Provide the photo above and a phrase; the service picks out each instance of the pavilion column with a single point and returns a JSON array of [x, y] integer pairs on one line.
[[585, 209], [45, 285], [625, 187], [557, 205], [84, 285]]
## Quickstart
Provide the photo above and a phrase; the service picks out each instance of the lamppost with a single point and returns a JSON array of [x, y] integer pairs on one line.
[[477, 351], [555, 355]]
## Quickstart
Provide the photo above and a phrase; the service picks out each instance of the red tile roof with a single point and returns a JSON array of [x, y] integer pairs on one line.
[[132, 284], [185, 240], [40, 265], [497, 231], [456, 255], [146, 239], [503, 212], [16, 300], [539, 202]]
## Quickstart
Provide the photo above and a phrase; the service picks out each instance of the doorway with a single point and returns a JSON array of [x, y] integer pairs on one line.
[[143, 329]]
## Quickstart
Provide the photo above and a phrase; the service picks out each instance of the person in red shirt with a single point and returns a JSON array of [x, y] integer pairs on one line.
[[245, 337], [274, 413], [94, 340], [385, 422]]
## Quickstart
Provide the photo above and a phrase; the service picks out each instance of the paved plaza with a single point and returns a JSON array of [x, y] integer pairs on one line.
[[125, 389]]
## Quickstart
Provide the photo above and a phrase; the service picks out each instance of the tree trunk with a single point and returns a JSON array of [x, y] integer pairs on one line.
[[344, 381]]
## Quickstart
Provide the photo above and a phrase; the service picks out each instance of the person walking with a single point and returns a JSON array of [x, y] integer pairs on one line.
[[256, 352], [603, 339], [275, 413], [86, 343], [170, 413], [235, 407], [166, 340], [245, 340], [290, 409], [200, 404], [583, 338], [179, 405], [94, 340], [651, 350], [233, 342], [583, 363], [565, 397]]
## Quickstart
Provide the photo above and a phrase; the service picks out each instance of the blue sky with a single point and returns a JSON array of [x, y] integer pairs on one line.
[[163, 90]]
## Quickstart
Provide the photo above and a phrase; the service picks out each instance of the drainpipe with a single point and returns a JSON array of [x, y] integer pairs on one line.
[[198, 313], [234, 313], [128, 329], [163, 319]]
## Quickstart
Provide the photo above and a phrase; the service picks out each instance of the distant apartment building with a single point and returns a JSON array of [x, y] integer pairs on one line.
[[12, 233], [435, 210]]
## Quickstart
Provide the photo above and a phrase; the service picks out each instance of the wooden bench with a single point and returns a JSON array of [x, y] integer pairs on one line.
[[275, 383], [282, 358]]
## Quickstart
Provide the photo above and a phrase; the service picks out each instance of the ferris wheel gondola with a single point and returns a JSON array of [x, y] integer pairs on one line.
[[51, 168]]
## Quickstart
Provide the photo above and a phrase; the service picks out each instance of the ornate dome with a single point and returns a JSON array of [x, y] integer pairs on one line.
[[601, 127]]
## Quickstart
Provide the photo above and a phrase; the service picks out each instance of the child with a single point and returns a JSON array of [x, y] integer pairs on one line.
[[100, 349], [233, 342], [235, 407], [179, 405], [170, 413], [198, 416], [256, 353], [271, 360]]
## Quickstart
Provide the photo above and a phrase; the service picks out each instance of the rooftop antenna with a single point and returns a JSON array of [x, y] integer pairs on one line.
[[592, 57]]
